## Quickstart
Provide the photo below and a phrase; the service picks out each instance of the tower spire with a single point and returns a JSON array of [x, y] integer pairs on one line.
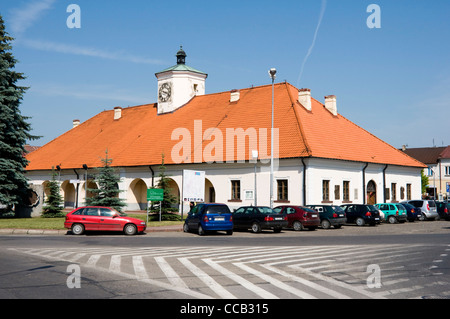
[[181, 56]]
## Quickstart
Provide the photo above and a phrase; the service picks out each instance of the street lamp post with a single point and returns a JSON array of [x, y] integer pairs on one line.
[[272, 74]]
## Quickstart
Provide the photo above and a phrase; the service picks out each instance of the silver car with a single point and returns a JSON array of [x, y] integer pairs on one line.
[[428, 207]]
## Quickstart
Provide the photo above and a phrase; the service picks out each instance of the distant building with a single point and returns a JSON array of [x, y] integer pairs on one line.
[[437, 160], [321, 157]]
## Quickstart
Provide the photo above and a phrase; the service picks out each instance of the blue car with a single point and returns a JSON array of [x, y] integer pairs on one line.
[[414, 213], [209, 217]]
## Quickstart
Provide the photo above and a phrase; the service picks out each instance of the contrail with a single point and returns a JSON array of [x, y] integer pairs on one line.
[[322, 12]]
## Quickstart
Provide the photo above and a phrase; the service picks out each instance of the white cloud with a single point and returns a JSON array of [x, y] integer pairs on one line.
[[24, 18], [86, 51]]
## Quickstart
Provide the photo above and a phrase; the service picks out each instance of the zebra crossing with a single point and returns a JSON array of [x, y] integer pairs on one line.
[[310, 272]]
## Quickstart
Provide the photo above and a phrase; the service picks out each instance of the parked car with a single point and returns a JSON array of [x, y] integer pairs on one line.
[[300, 217], [361, 214], [95, 218], [393, 212], [428, 208], [209, 217], [259, 217], [443, 209], [330, 215], [412, 212]]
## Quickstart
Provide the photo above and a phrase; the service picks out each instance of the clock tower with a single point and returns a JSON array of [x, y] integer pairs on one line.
[[178, 84]]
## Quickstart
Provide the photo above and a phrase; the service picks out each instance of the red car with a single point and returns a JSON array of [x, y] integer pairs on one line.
[[101, 218], [300, 217]]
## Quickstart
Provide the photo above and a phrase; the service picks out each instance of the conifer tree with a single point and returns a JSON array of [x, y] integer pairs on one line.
[[108, 192], [14, 129], [53, 204]]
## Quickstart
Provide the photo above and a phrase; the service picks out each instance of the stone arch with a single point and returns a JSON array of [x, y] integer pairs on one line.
[[210, 192], [137, 195], [69, 194], [371, 193]]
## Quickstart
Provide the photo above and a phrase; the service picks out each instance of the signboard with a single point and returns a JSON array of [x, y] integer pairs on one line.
[[193, 186], [155, 195]]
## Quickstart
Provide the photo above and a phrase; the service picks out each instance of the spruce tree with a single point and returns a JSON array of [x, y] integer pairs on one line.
[[108, 192], [14, 128], [54, 202]]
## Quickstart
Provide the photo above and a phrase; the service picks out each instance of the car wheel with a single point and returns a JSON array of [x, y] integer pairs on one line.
[[77, 229], [230, 232], [337, 226], [130, 229], [256, 228], [325, 224], [201, 232], [360, 221], [186, 228], [277, 230], [392, 220], [297, 226]]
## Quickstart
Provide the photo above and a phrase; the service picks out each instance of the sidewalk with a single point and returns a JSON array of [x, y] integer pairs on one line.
[[7, 231]]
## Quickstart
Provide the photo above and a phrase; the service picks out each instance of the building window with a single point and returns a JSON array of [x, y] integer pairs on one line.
[[408, 192], [394, 191], [235, 190], [282, 186], [430, 171], [346, 191], [337, 192], [326, 191], [402, 193], [447, 170]]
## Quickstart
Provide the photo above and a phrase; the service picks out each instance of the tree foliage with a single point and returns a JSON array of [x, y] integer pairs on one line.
[[54, 203], [108, 192], [14, 128]]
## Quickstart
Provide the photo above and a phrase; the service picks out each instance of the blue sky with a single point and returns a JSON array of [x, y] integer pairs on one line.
[[393, 81]]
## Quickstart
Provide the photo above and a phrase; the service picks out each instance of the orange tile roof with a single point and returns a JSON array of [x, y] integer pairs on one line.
[[140, 136]]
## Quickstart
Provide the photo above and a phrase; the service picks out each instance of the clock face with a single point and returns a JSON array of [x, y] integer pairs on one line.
[[165, 92]]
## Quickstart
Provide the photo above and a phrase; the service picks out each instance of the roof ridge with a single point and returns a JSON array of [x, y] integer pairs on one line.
[[297, 116]]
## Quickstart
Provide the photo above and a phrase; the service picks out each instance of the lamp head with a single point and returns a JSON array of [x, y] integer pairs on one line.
[[272, 73]]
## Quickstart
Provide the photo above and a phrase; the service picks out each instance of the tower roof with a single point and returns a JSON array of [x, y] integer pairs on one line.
[[181, 64]]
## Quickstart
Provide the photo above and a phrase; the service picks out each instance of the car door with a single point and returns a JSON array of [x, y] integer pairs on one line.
[[90, 218], [351, 213], [292, 215], [108, 222], [238, 217], [194, 218]]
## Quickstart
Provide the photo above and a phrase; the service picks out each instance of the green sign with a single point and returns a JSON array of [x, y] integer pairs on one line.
[[155, 195]]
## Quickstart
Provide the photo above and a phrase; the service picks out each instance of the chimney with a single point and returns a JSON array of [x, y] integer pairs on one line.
[[76, 123], [304, 97], [117, 113], [235, 96], [330, 104]]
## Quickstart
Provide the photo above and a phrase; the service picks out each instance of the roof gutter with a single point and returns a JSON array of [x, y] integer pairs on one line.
[[364, 184], [304, 182]]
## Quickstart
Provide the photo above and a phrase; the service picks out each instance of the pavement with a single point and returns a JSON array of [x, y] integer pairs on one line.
[[10, 231]]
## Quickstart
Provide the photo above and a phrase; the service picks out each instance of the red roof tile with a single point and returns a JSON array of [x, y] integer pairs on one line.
[[140, 136]]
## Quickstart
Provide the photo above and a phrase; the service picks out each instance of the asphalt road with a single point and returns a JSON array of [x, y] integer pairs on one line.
[[387, 261]]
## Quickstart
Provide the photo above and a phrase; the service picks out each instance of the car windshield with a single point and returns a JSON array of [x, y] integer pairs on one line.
[[432, 203], [308, 210], [371, 207], [217, 209]]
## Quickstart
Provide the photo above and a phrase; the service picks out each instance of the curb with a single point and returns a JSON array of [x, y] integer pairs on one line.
[[8, 231]]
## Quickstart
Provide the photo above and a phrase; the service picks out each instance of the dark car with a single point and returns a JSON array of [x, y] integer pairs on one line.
[[299, 217], [95, 218], [257, 218], [443, 209], [361, 214], [209, 217], [413, 213], [330, 215]]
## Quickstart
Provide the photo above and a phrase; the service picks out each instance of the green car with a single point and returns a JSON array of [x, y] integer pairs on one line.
[[393, 213]]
